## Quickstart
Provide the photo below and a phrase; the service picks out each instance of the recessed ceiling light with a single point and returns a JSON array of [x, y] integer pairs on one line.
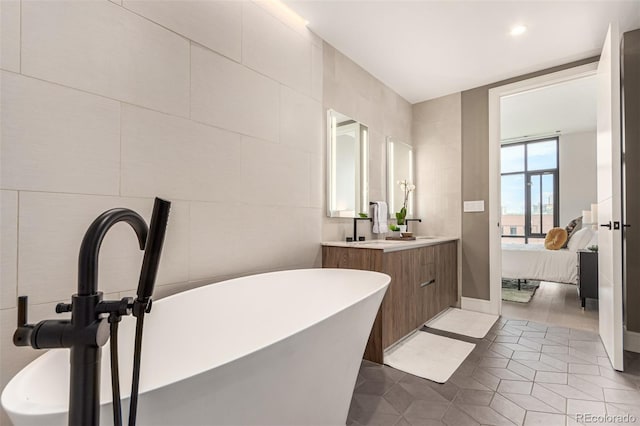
[[518, 30]]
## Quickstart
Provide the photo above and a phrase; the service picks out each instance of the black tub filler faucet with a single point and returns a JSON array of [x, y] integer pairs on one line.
[[93, 320]]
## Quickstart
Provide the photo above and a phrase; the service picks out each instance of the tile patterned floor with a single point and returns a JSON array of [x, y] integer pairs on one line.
[[521, 373]]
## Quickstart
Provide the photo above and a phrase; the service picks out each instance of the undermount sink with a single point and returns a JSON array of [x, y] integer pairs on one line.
[[376, 242]]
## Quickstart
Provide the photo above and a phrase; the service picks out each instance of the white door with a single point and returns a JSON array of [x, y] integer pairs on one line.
[[610, 199]]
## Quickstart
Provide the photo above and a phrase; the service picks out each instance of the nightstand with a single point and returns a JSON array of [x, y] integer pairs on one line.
[[587, 275]]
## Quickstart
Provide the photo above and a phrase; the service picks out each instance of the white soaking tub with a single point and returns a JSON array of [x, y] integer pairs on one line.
[[281, 348]]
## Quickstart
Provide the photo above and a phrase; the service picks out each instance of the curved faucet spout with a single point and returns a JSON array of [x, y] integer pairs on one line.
[[90, 248]]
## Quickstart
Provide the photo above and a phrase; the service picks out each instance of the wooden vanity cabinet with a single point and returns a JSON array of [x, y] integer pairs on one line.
[[423, 284]]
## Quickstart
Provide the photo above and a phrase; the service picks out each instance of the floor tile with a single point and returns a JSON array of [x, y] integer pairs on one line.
[[584, 369], [425, 410], [507, 339], [529, 402], [544, 419], [399, 398], [622, 396], [488, 380], [485, 415], [606, 382], [514, 386], [374, 410], [530, 344], [522, 372], [577, 406], [526, 355], [494, 362], [504, 373], [371, 387], [456, 417], [567, 391], [419, 422], [468, 383], [559, 403], [474, 397], [551, 377], [508, 409], [539, 366], [586, 387]]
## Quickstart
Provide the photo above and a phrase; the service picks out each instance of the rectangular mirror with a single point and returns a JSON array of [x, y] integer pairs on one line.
[[347, 166], [399, 169]]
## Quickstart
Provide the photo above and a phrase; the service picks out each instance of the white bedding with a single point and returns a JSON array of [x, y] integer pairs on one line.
[[527, 261]]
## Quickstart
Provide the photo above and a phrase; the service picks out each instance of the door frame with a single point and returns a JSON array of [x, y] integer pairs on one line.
[[495, 247]]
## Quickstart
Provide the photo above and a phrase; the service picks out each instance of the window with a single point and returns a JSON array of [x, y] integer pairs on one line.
[[529, 188]]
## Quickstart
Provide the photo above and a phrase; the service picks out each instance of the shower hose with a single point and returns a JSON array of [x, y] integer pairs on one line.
[[114, 319]]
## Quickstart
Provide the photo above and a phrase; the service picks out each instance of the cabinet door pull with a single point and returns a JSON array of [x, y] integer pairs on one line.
[[426, 283]]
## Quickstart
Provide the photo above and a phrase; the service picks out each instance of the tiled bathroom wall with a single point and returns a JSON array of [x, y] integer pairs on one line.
[[438, 156], [352, 91], [437, 141], [216, 106]]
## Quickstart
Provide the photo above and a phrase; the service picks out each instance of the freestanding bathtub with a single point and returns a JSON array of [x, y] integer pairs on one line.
[[281, 348]]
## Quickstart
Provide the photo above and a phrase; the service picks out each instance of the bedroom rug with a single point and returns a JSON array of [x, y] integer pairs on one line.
[[429, 356], [510, 291], [467, 323]]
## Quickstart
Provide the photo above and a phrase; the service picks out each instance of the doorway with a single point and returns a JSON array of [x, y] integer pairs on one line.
[[496, 230]]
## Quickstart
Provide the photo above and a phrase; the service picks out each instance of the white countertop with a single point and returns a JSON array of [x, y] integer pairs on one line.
[[391, 245]]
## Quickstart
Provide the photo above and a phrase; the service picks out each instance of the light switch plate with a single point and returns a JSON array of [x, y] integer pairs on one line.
[[474, 206]]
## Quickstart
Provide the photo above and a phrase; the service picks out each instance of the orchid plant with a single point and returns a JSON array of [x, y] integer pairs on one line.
[[406, 188]]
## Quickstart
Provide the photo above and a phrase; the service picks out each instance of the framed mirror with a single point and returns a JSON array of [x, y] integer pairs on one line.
[[347, 166], [399, 169]]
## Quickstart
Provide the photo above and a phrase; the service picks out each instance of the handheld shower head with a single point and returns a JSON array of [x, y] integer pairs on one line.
[[153, 248]]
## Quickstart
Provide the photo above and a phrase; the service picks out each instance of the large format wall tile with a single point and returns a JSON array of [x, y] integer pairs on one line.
[[102, 48], [58, 139], [229, 95], [300, 121], [177, 158], [214, 24], [274, 49], [272, 238], [10, 35], [9, 248], [51, 228], [273, 174]]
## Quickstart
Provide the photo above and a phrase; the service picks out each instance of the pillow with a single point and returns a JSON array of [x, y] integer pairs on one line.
[[580, 239], [573, 227], [555, 239]]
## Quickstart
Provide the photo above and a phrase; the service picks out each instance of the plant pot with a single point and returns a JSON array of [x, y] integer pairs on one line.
[[403, 228]]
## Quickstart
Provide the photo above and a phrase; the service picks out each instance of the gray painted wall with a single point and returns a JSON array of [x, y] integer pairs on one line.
[[578, 174], [475, 181]]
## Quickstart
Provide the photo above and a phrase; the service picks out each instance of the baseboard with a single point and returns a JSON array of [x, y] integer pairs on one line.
[[631, 340], [478, 305]]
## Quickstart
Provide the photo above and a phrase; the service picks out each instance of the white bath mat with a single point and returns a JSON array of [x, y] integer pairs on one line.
[[429, 356], [467, 323]]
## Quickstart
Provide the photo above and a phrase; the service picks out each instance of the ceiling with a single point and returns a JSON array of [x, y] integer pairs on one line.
[[426, 49], [567, 107]]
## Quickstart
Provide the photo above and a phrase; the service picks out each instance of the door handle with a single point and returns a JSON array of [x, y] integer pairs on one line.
[[606, 225]]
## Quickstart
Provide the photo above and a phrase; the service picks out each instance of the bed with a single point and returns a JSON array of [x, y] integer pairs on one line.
[[534, 262]]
